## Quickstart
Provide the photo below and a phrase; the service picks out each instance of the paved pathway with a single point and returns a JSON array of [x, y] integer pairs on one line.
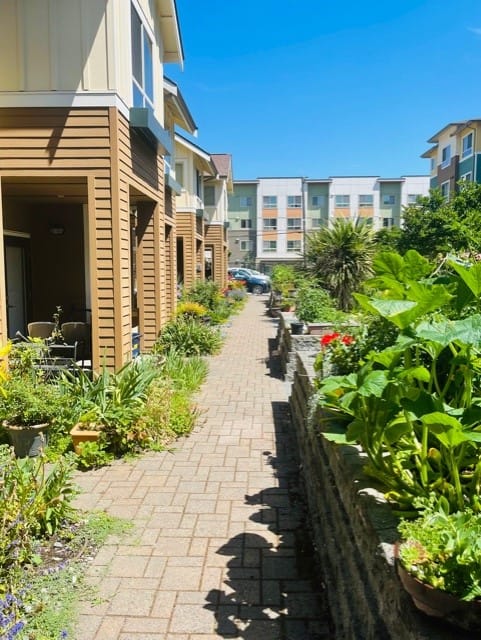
[[219, 550]]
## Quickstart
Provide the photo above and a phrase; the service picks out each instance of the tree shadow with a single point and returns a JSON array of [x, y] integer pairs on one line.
[[271, 588]]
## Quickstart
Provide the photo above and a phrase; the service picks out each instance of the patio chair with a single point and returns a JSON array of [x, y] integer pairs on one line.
[[40, 329], [78, 333]]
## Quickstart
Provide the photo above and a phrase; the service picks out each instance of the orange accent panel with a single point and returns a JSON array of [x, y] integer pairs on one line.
[[269, 213]]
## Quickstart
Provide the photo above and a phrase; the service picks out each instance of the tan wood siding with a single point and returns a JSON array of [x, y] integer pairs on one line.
[[186, 226], [215, 238]]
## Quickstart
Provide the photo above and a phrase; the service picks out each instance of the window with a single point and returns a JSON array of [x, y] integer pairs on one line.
[[142, 63], [445, 189], [413, 198], [366, 200], [246, 224], [389, 199], [318, 201], [179, 173], [467, 145], [293, 245], [387, 222], [342, 202], [467, 177], [209, 196], [294, 223], [445, 156], [269, 245], [269, 202], [245, 201], [270, 224], [316, 223], [433, 165], [294, 202], [246, 245]]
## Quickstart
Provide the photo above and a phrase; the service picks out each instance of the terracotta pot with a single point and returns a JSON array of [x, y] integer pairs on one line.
[[79, 434], [441, 604]]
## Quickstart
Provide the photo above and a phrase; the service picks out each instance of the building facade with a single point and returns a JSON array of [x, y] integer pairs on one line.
[[270, 217], [455, 155]]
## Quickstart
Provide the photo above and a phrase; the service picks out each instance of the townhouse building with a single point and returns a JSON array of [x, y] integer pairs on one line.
[[88, 184], [270, 217], [455, 155]]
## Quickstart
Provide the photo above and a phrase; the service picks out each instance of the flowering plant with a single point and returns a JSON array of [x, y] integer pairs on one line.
[[338, 354]]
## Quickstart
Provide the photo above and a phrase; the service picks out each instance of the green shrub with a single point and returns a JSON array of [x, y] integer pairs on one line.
[[188, 337], [314, 304], [205, 292], [185, 373], [28, 401]]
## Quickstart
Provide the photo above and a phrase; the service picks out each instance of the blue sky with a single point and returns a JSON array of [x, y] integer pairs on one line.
[[322, 88]]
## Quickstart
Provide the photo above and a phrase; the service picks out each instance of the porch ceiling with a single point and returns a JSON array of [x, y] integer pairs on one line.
[[34, 189]]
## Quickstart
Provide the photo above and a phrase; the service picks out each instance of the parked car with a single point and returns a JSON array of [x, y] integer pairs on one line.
[[255, 282]]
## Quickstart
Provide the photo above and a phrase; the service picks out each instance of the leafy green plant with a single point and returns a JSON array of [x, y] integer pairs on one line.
[[442, 549], [28, 401], [190, 308], [185, 373], [314, 304], [35, 501], [93, 454], [189, 337]]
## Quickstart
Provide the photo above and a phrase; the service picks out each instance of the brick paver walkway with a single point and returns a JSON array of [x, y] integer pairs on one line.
[[219, 550]]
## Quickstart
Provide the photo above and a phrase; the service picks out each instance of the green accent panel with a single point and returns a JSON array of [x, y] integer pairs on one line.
[[237, 213], [466, 166], [317, 190], [143, 120], [478, 167], [390, 189]]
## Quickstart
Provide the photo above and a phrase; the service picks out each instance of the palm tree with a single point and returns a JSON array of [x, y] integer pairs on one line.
[[340, 257]]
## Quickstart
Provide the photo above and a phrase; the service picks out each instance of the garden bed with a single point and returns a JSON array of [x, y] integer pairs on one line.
[[354, 532]]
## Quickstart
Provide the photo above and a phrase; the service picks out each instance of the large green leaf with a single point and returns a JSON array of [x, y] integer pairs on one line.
[[373, 384], [416, 373], [447, 429], [467, 331], [396, 429], [390, 263], [416, 265], [471, 275], [423, 404]]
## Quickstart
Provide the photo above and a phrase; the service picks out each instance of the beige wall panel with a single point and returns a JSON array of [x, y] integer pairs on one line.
[[269, 213], [10, 66], [294, 235], [294, 213], [342, 213]]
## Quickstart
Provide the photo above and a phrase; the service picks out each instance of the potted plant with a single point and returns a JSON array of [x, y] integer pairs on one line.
[[438, 563], [27, 408]]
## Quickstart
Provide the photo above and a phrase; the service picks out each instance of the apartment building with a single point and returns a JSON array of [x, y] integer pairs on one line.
[[455, 155], [270, 217]]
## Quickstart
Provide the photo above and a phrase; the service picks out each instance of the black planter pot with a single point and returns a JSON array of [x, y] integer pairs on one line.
[[297, 328]]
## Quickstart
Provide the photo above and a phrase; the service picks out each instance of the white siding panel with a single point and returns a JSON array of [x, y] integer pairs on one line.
[[36, 43], [9, 64]]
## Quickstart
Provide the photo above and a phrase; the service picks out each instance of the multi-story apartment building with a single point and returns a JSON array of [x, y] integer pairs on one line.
[[270, 217], [455, 155]]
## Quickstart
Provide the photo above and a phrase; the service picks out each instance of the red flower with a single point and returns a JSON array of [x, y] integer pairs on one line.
[[330, 337], [327, 338]]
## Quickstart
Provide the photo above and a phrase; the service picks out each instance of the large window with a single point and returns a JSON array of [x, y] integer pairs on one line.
[[445, 189], [179, 173], [316, 223], [270, 224], [342, 202], [294, 224], [142, 63], [245, 201], [389, 199], [269, 202], [269, 245], [445, 156], [318, 201], [246, 223], [413, 198], [293, 245], [294, 202], [387, 222], [246, 245], [467, 145], [209, 195], [366, 200]]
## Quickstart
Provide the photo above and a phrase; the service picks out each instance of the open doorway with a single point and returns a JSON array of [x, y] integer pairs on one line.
[[18, 288]]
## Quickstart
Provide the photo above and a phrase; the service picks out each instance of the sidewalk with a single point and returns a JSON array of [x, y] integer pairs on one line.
[[219, 550]]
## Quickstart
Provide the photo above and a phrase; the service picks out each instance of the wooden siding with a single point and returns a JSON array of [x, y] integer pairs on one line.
[[186, 226], [215, 237], [93, 145]]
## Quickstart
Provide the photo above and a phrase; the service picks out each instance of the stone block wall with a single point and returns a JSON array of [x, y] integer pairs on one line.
[[353, 528]]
